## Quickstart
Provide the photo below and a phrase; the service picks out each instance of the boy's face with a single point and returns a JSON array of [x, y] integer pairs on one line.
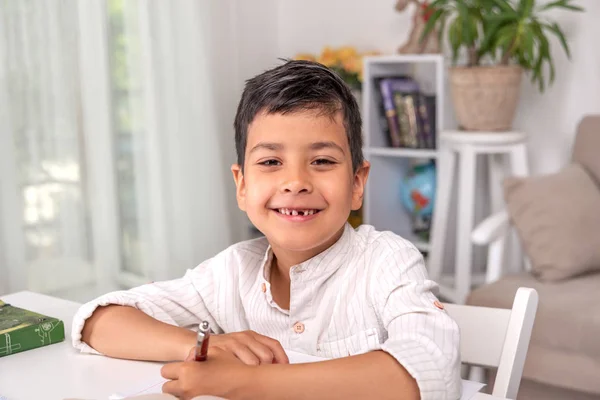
[[298, 186]]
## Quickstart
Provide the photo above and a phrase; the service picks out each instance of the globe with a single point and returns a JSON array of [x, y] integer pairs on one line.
[[418, 190]]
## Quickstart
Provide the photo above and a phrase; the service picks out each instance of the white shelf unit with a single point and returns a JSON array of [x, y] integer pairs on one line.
[[382, 207]]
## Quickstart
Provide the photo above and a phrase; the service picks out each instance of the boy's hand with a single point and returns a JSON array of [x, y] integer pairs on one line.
[[249, 347], [222, 374]]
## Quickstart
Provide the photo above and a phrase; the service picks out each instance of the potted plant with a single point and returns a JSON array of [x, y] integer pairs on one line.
[[500, 39]]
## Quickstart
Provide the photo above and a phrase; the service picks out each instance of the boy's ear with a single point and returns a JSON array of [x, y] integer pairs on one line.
[[358, 186], [240, 186]]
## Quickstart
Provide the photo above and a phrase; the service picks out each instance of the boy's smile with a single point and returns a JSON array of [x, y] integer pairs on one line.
[[297, 185]]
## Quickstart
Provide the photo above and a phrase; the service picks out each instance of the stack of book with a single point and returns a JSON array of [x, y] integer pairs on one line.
[[407, 114]]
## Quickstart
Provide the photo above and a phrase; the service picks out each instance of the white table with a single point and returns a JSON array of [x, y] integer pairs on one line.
[[59, 371]]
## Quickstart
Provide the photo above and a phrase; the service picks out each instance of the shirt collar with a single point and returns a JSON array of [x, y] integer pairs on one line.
[[323, 264]]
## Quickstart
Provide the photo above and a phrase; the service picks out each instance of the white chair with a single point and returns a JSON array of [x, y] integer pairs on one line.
[[497, 338]]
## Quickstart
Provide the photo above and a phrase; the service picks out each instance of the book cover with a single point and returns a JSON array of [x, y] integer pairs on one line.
[[426, 127], [383, 122], [406, 120], [404, 93], [385, 87], [429, 112], [22, 330]]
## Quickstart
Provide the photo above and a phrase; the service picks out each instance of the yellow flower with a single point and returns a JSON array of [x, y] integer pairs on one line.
[[305, 57], [353, 65], [346, 53], [328, 57]]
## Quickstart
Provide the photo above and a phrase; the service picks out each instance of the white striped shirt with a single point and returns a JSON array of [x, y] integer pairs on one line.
[[369, 291]]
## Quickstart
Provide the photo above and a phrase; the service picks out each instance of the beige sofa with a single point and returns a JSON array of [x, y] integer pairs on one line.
[[563, 361]]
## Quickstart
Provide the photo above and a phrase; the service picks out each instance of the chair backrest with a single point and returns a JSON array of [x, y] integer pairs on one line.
[[494, 337]]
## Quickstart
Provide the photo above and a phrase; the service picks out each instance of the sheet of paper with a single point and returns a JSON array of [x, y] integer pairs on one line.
[[469, 388], [153, 386], [299, 358]]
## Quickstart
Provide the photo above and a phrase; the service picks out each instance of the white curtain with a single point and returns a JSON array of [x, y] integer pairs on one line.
[[115, 125], [181, 176], [45, 201]]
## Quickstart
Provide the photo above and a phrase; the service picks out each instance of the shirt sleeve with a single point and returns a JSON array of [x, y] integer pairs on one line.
[[181, 302], [421, 336]]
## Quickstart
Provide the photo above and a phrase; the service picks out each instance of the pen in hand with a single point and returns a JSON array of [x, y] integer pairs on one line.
[[202, 341]]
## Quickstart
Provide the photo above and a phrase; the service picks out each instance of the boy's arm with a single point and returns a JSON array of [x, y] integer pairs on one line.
[[374, 375], [126, 332], [152, 326]]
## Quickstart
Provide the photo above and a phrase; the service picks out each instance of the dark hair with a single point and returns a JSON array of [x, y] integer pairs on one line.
[[299, 86]]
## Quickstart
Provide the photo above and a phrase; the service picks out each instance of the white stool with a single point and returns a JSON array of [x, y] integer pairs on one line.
[[466, 146]]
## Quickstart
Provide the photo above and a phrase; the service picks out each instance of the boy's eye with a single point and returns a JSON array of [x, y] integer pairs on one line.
[[270, 163], [323, 161]]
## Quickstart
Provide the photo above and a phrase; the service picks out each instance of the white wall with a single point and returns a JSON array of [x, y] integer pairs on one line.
[[550, 119], [256, 25], [367, 24]]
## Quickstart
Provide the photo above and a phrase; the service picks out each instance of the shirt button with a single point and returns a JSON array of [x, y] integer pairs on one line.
[[263, 287], [298, 327]]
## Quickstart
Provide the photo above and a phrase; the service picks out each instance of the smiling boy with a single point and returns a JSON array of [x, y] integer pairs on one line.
[[313, 284]]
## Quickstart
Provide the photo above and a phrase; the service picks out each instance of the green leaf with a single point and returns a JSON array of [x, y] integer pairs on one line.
[[554, 28], [561, 4], [454, 37], [537, 73], [543, 55], [528, 42], [525, 7], [490, 35], [505, 6], [506, 37], [431, 23], [463, 15], [500, 18]]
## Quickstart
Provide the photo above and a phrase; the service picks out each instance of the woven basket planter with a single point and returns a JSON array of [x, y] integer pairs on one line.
[[485, 98]]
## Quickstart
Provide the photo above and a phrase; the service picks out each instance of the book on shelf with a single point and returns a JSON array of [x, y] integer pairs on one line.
[[407, 115], [22, 330], [388, 109]]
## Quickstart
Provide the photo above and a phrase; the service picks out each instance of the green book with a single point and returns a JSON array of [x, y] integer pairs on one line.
[[22, 330]]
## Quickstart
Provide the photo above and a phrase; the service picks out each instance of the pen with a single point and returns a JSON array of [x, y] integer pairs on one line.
[[202, 341]]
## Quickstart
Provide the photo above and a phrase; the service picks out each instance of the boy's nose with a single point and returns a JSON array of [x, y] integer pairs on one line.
[[296, 185]]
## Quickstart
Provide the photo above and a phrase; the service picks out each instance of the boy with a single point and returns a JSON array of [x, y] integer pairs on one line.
[[312, 285]]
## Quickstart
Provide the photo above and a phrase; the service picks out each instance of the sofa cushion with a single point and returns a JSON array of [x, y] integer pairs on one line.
[[557, 218], [565, 343], [587, 145]]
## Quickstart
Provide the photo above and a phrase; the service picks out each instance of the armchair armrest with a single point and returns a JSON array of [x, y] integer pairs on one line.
[[491, 229]]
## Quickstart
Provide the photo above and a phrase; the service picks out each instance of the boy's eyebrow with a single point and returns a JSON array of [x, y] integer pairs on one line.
[[267, 146], [313, 146], [326, 145]]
